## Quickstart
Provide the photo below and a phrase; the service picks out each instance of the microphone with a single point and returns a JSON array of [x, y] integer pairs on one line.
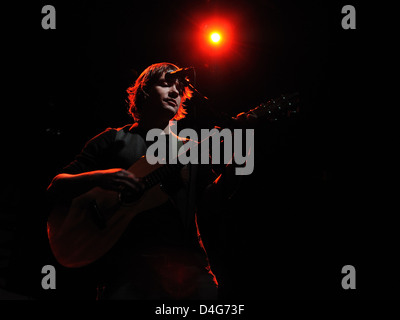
[[181, 74]]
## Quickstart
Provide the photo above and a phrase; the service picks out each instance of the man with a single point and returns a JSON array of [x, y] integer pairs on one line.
[[161, 254]]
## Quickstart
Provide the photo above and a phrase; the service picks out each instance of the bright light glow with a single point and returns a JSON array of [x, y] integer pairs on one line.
[[215, 37]]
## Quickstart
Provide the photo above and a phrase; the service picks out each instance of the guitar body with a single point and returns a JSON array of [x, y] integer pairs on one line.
[[76, 239]]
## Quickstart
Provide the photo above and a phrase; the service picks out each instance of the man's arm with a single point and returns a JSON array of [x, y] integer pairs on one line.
[[67, 186], [228, 182]]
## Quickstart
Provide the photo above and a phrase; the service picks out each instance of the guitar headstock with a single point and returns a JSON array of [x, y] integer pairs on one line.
[[282, 107]]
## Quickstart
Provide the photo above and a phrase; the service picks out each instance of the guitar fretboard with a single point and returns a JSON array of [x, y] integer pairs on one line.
[[160, 174]]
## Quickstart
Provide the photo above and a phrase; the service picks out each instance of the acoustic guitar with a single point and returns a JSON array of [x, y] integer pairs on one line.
[[91, 224]]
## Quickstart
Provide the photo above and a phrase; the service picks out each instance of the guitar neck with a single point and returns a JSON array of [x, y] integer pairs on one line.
[[160, 174], [272, 110]]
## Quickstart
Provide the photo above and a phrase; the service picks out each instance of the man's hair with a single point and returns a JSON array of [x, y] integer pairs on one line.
[[137, 94]]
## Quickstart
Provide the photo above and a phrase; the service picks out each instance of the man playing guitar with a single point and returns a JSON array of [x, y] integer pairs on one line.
[[156, 253]]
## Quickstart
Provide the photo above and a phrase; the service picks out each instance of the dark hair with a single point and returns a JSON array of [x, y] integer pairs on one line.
[[137, 93]]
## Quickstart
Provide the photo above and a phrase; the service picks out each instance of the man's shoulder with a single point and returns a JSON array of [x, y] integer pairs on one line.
[[114, 130], [125, 128], [107, 135]]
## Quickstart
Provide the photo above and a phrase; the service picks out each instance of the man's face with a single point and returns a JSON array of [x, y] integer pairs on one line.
[[164, 98]]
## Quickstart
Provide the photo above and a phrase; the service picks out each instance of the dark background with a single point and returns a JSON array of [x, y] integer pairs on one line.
[[319, 197]]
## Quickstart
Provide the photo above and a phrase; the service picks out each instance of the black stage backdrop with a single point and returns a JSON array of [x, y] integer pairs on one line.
[[321, 193]]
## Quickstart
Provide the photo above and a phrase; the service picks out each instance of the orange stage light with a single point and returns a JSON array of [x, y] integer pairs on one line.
[[215, 37]]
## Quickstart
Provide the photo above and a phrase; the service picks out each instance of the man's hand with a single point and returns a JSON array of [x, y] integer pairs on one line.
[[247, 119], [117, 180]]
